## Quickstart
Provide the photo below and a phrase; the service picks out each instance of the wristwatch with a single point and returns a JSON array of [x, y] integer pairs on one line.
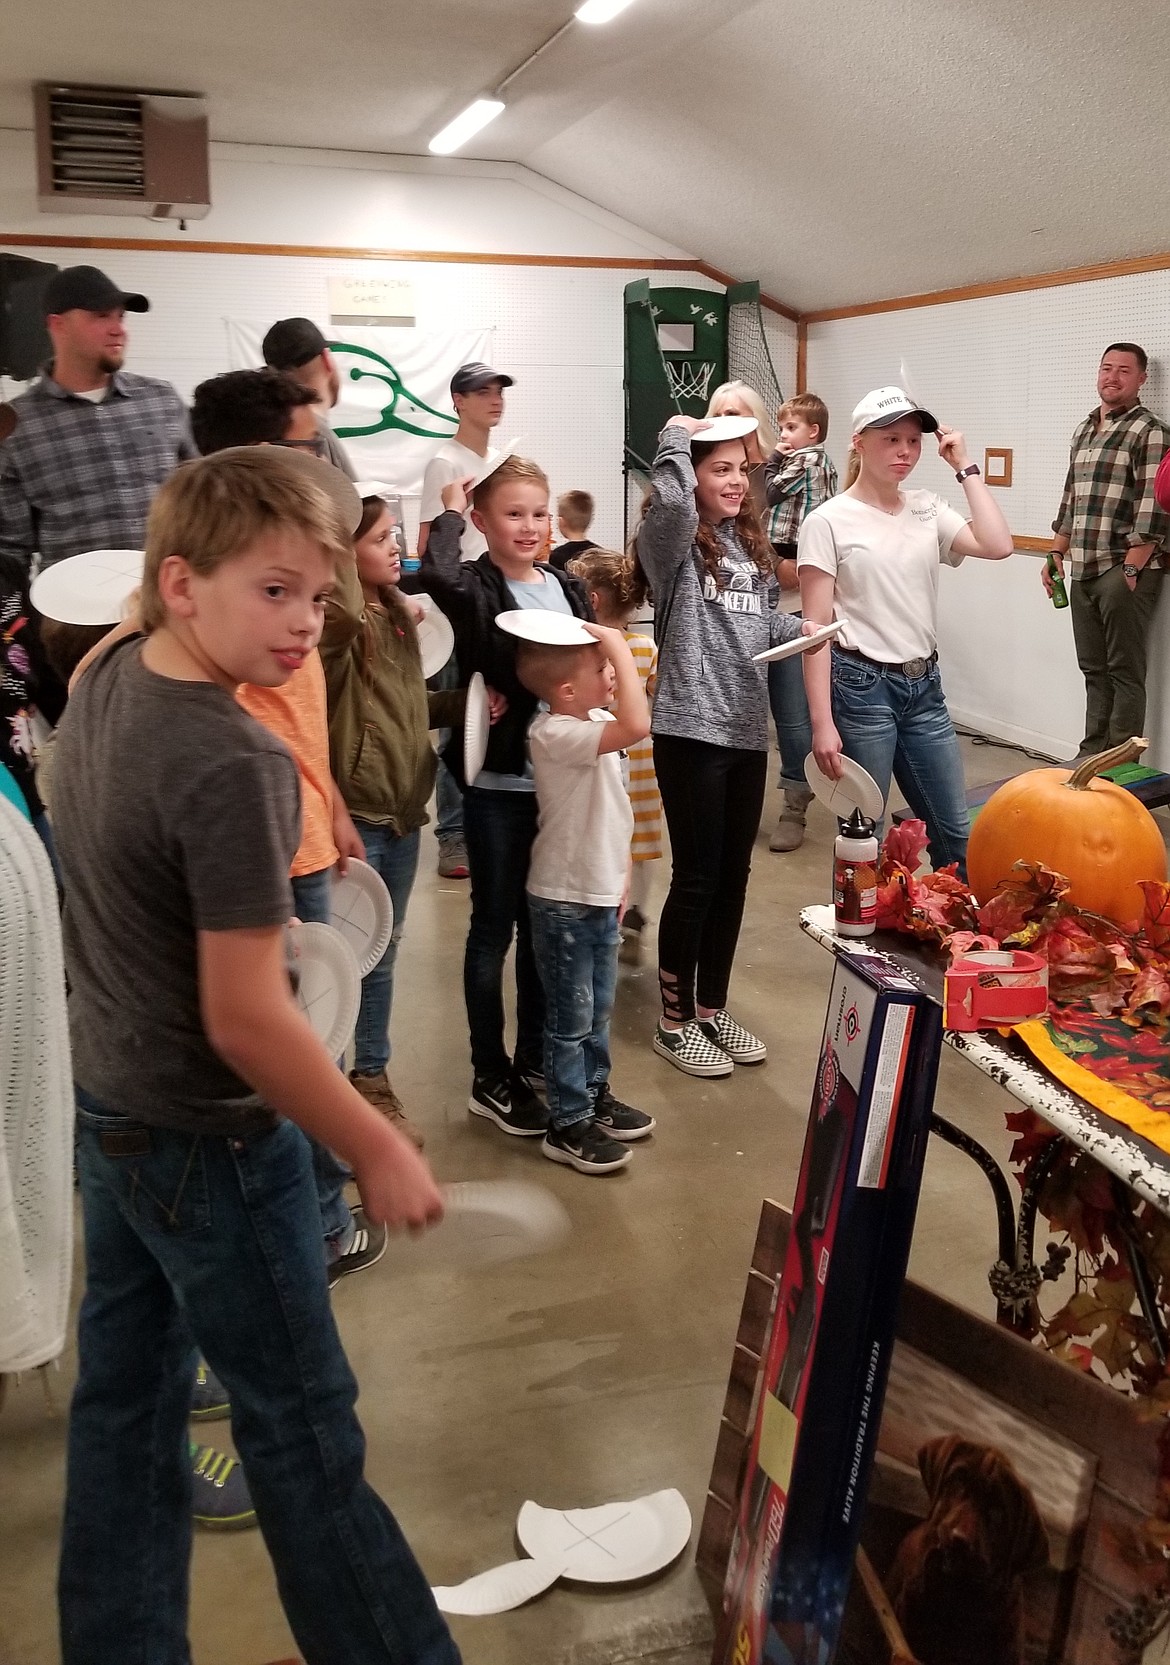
[[966, 473], [1130, 571]]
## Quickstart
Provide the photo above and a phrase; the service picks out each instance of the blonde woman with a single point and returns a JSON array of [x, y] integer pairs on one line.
[[738, 399]]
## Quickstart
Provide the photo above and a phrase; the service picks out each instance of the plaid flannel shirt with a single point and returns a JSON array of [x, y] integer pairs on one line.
[[1108, 504], [80, 475], [798, 482]]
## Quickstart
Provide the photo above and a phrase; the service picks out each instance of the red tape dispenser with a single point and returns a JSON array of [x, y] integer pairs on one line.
[[995, 988]]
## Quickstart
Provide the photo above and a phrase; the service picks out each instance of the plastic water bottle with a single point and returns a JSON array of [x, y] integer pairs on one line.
[[855, 855], [1059, 593]]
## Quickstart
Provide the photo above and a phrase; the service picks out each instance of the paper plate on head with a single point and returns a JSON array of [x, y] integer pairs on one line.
[[720, 428], [360, 908], [800, 644], [375, 488], [610, 1545], [533, 624], [88, 589], [477, 722], [499, 1590], [855, 790], [514, 448], [329, 987], [486, 1221], [436, 639]]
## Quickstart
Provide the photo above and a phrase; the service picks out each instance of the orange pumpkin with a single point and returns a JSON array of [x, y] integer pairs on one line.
[[1092, 831]]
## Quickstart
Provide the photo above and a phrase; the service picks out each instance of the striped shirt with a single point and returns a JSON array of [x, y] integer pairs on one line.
[[79, 474], [798, 483], [1108, 504], [646, 843]]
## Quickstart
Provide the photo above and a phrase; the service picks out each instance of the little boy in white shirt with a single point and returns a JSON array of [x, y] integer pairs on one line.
[[577, 883]]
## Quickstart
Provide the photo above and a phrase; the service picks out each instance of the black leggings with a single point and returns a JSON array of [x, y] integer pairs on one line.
[[713, 797]]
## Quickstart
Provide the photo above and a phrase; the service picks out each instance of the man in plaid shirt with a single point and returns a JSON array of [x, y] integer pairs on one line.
[[1113, 534], [92, 442]]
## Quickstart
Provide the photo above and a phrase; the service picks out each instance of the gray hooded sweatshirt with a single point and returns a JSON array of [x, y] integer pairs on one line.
[[708, 688]]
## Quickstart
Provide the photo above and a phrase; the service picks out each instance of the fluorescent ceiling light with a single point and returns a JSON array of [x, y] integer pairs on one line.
[[599, 11], [466, 125]]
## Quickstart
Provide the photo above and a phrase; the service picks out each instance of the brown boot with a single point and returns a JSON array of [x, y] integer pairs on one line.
[[789, 834], [376, 1090]]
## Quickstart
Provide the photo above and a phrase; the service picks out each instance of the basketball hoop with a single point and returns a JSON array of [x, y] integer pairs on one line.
[[689, 378]]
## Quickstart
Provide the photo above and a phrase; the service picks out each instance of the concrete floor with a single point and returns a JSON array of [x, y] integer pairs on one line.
[[592, 1374]]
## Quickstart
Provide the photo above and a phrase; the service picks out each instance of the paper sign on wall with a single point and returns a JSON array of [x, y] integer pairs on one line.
[[388, 301]]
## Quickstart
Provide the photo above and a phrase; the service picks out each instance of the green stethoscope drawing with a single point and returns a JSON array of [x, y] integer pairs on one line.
[[388, 417]]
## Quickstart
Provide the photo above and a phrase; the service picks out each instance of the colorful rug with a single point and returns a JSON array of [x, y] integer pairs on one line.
[[1121, 1070]]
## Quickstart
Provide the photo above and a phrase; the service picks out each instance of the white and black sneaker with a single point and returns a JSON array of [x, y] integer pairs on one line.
[[740, 1045], [621, 1121], [689, 1049], [512, 1105], [585, 1147], [367, 1246]]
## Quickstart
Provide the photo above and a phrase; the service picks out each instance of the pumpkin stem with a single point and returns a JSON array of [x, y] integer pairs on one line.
[[1128, 752]]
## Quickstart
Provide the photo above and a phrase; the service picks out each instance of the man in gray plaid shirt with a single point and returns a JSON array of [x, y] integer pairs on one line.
[[92, 443], [1114, 536]]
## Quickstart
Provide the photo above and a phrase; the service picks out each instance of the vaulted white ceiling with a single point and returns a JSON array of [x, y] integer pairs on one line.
[[840, 151]]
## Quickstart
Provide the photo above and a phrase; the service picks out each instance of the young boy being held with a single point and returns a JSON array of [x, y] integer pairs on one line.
[[574, 518], [800, 477], [577, 883], [176, 816]]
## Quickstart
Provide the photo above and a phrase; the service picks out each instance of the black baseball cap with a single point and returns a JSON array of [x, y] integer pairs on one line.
[[292, 342], [469, 378], [88, 290]]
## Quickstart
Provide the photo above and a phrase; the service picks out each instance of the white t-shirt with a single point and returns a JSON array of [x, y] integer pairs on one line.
[[885, 568], [453, 461], [582, 848]]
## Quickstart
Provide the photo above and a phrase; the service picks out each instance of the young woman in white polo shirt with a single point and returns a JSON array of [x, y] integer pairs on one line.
[[870, 556]]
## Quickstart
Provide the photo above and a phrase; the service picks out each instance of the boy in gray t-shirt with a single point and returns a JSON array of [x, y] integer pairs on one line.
[[176, 817]]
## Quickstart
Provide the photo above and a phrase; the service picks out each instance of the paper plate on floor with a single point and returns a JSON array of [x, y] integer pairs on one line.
[[88, 589], [533, 624], [855, 790], [436, 639], [610, 1545], [721, 428], [486, 1221], [329, 988], [499, 1590], [800, 644], [477, 722], [361, 910]]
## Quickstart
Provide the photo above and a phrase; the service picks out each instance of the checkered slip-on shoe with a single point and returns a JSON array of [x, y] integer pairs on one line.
[[740, 1045], [692, 1051]]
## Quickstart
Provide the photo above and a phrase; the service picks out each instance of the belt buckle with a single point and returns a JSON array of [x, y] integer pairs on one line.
[[914, 668]]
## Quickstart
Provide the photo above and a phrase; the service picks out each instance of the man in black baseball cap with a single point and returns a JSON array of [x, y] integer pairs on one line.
[[297, 346], [472, 378], [86, 289]]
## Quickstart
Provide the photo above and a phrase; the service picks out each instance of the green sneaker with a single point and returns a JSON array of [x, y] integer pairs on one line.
[[221, 1500]]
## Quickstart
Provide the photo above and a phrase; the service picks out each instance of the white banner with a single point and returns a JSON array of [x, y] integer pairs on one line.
[[395, 407]]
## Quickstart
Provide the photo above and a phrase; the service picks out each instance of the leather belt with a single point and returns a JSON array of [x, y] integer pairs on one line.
[[910, 668]]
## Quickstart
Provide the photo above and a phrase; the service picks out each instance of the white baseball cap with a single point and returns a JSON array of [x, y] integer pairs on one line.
[[887, 405]]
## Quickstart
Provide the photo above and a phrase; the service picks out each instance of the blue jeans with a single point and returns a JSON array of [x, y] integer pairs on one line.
[[218, 1239], [448, 796], [576, 953], [396, 861], [311, 900], [500, 828], [894, 725], [789, 705]]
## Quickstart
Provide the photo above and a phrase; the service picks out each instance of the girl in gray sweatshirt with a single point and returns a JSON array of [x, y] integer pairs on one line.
[[707, 561]]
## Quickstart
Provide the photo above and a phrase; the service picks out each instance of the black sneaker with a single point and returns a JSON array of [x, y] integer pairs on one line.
[[621, 1121], [366, 1249], [585, 1147], [220, 1497], [532, 1075], [209, 1401], [512, 1105]]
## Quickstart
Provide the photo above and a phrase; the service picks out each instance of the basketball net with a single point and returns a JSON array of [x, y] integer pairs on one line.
[[689, 378]]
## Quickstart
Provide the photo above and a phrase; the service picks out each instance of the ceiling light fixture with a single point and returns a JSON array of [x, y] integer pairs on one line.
[[466, 125], [600, 11]]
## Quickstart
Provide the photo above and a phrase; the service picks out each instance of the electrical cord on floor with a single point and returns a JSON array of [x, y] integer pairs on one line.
[[978, 739]]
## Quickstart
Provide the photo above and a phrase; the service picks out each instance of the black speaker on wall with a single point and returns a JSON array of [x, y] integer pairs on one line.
[[24, 340]]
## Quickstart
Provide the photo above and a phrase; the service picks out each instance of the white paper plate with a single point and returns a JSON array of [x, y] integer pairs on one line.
[[720, 428], [513, 448], [486, 1221], [330, 988], [610, 1545], [88, 589], [855, 790], [499, 1590], [533, 624], [801, 644], [375, 488], [436, 640], [476, 724], [361, 909]]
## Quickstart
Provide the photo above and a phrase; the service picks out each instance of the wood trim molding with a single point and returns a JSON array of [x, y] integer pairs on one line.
[[802, 357], [1002, 286], [452, 257], [1033, 546]]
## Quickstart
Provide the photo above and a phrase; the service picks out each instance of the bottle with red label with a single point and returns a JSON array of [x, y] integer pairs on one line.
[[855, 857]]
